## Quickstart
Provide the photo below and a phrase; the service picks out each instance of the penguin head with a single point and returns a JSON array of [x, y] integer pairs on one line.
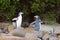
[[36, 16], [20, 13]]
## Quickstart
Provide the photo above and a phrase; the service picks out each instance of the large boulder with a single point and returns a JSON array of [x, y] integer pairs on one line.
[[18, 32]]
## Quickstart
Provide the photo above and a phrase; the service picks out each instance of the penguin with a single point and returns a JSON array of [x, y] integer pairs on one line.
[[19, 20]]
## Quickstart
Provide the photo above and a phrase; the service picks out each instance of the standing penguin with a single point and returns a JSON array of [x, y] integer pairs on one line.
[[19, 20], [37, 23]]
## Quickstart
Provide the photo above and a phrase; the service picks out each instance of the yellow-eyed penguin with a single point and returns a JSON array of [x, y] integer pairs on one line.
[[19, 20]]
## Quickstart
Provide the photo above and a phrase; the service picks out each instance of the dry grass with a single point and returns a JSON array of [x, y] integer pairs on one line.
[[10, 28], [29, 29], [2, 25]]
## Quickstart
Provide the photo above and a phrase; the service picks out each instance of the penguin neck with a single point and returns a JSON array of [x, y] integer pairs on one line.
[[20, 15]]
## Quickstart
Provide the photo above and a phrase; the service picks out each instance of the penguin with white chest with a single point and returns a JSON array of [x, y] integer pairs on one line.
[[19, 20], [19, 31]]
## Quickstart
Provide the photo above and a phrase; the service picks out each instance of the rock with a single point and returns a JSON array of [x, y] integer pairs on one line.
[[46, 36], [5, 30], [57, 30], [53, 38], [11, 38], [47, 29], [39, 33], [1, 31], [31, 36], [35, 35], [10, 28], [3, 34], [18, 32], [38, 39], [59, 37], [4, 27]]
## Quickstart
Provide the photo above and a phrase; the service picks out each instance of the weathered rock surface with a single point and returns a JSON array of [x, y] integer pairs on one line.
[[31, 36], [1, 31], [11, 38], [39, 33], [38, 39], [46, 37], [18, 32], [53, 38], [57, 30]]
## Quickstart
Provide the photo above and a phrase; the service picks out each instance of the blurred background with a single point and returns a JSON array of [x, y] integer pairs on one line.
[[48, 10]]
